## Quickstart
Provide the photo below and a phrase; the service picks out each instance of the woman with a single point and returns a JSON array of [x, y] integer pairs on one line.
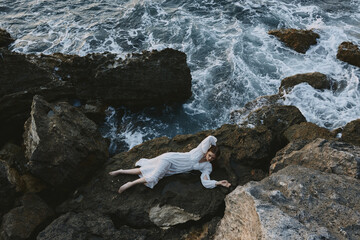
[[199, 158]]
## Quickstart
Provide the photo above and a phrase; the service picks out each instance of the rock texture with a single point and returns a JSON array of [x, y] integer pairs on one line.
[[327, 156], [351, 132], [299, 40], [62, 145], [316, 80], [294, 203], [23, 222], [307, 131], [5, 39], [349, 52], [7, 189], [88, 225]]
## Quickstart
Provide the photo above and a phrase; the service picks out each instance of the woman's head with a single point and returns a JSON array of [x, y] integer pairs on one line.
[[212, 154]]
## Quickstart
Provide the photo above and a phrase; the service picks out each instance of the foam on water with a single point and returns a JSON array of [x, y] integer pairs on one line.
[[232, 58]]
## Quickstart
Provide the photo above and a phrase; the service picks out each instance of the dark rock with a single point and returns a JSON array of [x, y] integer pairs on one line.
[[350, 53], [89, 225], [307, 131], [239, 116], [5, 39], [7, 189], [351, 132], [63, 146], [299, 40], [316, 80], [277, 119], [183, 194], [147, 79], [294, 203], [23, 222], [320, 154]]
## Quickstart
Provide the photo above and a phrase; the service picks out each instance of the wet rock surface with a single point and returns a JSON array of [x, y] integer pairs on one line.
[[62, 145], [299, 40], [307, 131], [351, 132], [349, 52], [5, 39], [23, 222], [294, 203], [329, 156], [316, 80], [7, 189]]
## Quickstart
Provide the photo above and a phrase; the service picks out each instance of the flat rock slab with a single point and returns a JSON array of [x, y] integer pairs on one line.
[[351, 132], [325, 155], [294, 203], [316, 80]]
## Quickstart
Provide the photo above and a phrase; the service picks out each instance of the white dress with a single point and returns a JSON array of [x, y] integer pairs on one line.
[[171, 163]]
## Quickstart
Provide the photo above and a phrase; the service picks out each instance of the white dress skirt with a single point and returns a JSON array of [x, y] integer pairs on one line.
[[171, 163]]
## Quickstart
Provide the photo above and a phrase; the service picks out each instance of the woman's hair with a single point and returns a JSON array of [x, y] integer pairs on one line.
[[215, 150]]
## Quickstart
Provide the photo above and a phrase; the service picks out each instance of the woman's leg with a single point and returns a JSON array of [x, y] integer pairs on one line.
[[134, 171], [130, 184]]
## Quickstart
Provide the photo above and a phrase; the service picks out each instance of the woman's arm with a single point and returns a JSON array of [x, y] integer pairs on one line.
[[207, 142], [205, 178]]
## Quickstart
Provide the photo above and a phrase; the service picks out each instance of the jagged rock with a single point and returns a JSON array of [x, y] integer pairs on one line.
[[63, 146], [320, 154], [7, 189], [316, 80], [351, 132], [299, 40], [5, 39], [239, 116], [277, 119], [88, 225], [183, 192], [349, 52], [23, 222], [294, 203], [307, 131]]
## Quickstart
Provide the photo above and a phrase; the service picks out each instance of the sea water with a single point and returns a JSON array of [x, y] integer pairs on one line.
[[231, 56]]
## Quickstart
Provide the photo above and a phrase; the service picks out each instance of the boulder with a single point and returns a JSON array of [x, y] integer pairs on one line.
[[23, 222], [88, 225], [316, 80], [63, 146], [239, 116], [307, 131], [299, 40], [277, 119], [351, 132], [329, 156], [7, 189], [294, 203], [349, 52], [180, 199], [5, 39]]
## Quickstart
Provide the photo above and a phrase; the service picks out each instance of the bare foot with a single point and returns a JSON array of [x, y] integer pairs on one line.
[[124, 187], [114, 173]]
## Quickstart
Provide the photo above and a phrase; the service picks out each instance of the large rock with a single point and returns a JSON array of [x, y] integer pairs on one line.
[[179, 199], [351, 132], [307, 131], [63, 146], [327, 156], [294, 203], [316, 80], [5, 39], [23, 222], [276, 118], [299, 40], [349, 52], [7, 189], [88, 225]]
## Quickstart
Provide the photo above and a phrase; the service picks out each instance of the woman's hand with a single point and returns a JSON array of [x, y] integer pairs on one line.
[[223, 183]]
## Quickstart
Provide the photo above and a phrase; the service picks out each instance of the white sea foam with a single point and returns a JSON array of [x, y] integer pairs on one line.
[[232, 58]]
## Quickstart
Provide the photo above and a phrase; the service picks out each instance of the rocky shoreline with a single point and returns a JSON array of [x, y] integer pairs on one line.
[[290, 178]]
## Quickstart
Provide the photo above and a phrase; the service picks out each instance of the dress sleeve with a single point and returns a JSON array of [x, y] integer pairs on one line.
[[205, 172], [207, 142]]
